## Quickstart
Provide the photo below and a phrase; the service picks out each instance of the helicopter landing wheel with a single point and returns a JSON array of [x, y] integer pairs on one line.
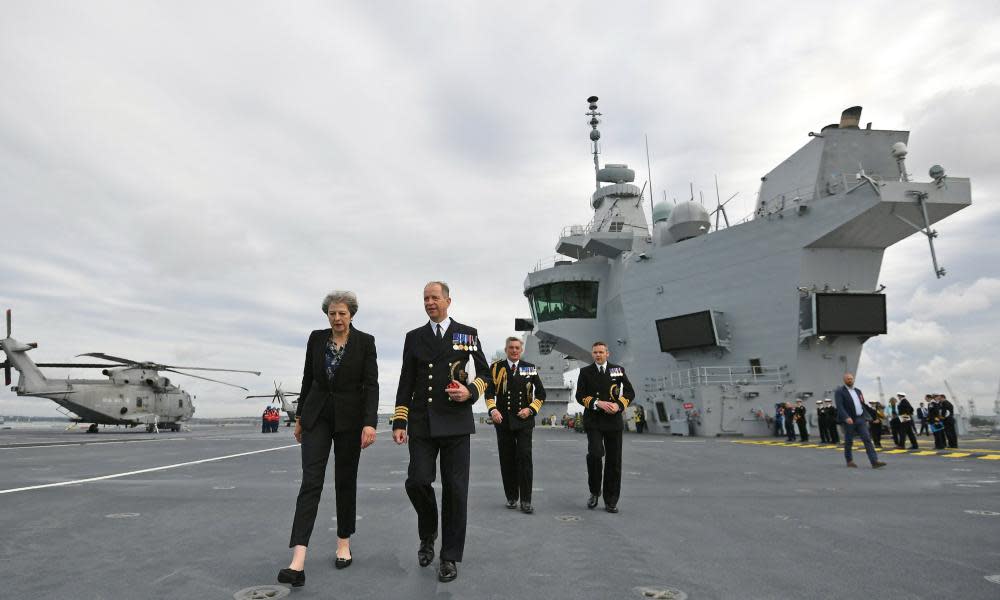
[[150, 428], [92, 428]]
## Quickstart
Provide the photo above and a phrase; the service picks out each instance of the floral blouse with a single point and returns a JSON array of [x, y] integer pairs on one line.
[[333, 357]]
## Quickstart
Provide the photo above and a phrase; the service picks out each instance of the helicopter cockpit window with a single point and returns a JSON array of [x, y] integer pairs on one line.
[[138, 402], [180, 403]]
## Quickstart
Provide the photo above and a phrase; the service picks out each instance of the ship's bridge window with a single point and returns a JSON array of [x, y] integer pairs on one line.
[[565, 300], [616, 226]]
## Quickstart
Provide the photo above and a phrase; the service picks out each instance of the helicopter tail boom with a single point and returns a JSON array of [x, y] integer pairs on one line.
[[17, 358]]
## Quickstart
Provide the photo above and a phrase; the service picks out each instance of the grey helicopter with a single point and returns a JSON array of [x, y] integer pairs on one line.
[[283, 400], [133, 394]]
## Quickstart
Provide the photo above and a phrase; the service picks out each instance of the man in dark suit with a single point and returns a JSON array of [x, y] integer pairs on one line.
[[434, 413], [948, 419], [789, 422], [906, 422], [605, 392], [922, 415], [831, 420], [936, 418], [821, 413], [854, 414], [800, 420], [514, 396]]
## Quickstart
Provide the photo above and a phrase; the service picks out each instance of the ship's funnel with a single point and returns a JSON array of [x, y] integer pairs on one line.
[[850, 118]]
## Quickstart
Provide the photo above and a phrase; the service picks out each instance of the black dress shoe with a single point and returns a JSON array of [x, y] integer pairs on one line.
[[425, 555], [343, 563], [296, 578], [611, 508], [448, 571], [592, 502], [512, 504], [526, 508]]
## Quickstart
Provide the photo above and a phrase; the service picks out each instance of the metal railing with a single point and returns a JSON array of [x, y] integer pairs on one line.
[[688, 378]]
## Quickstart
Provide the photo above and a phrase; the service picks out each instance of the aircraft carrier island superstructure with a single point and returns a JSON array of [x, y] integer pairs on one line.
[[717, 325]]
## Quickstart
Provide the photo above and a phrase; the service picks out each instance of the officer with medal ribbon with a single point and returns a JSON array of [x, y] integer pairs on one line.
[[514, 396], [605, 392], [434, 414]]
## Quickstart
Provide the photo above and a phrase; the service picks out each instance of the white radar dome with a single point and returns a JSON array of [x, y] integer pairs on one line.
[[661, 211], [688, 220]]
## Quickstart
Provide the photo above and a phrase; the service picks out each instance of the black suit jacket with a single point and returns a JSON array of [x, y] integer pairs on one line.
[[507, 391], [845, 405], [423, 407], [904, 407], [354, 389], [612, 385]]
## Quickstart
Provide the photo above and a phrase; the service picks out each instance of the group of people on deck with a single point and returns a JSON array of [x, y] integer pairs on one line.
[[338, 412], [935, 417]]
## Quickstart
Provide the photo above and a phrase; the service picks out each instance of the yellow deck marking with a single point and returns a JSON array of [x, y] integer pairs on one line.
[[990, 457], [957, 454]]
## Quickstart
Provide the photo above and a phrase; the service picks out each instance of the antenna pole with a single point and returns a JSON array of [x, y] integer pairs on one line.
[[649, 178], [595, 135]]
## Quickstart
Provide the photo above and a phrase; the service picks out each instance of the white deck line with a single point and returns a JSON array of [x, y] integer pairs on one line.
[[140, 471]]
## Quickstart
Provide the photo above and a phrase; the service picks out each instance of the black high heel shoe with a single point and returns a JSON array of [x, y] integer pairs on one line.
[[296, 578], [343, 563]]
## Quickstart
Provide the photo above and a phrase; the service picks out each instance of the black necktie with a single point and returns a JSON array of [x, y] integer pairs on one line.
[[440, 332]]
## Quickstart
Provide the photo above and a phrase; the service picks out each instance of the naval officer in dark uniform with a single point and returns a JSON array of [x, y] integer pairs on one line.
[[605, 392], [434, 413], [514, 396]]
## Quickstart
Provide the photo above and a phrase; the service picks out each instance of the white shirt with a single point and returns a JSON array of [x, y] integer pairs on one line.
[[857, 403], [601, 367], [512, 365], [445, 324]]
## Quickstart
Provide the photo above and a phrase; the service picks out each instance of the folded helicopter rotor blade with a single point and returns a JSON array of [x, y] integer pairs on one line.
[[169, 367], [117, 359], [74, 365], [8, 325], [264, 396], [6, 372], [207, 379]]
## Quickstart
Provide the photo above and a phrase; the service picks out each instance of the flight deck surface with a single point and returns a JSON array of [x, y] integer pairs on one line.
[[207, 513]]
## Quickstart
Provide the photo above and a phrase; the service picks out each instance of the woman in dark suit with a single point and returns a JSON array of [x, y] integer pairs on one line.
[[338, 408]]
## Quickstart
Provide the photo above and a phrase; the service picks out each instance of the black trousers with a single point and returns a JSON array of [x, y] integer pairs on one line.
[[949, 432], [923, 427], [803, 434], [895, 426], [906, 431], [938, 438], [789, 429], [824, 431], [454, 452], [514, 448], [876, 433], [607, 445], [316, 444]]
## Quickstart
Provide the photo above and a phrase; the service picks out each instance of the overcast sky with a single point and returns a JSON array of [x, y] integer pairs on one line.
[[183, 182]]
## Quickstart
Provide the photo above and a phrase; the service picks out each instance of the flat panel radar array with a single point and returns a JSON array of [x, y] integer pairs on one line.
[[850, 314], [684, 332]]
